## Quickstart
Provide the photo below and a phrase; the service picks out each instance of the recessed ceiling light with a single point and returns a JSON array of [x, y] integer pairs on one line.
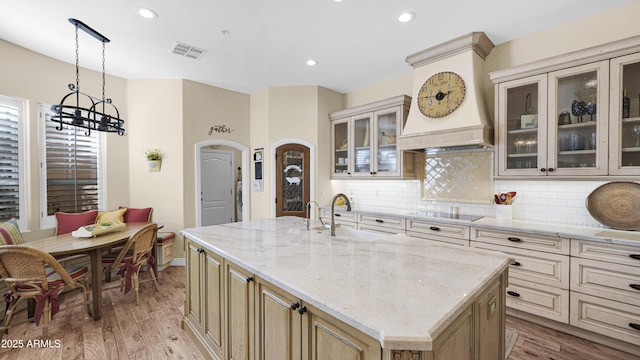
[[312, 62], [147, 13], [406, 16], [338, 0]]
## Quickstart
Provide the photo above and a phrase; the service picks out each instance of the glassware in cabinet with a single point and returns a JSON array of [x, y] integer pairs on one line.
[[387, 129], [625, 123], [577, 120], [362, 125], [341, 149]]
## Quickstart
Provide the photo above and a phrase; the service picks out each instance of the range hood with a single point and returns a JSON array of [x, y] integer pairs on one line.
[[469, 125]]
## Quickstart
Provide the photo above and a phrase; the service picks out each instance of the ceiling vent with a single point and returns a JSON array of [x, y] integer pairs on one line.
[[187, 51]]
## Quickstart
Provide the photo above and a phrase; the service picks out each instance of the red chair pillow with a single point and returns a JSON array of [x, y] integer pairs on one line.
[[71, 222], [137, 215]]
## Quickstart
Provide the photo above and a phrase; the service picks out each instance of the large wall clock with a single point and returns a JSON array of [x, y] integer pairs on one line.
[[441, 94]]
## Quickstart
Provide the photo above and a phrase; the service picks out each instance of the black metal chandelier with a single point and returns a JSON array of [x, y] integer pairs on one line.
[[87, 112]]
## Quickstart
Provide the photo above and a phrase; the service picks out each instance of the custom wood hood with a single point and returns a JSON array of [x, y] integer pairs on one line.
[[467, 126]]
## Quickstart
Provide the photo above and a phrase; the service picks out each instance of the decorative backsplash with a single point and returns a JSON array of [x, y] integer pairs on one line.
[[459, 177]]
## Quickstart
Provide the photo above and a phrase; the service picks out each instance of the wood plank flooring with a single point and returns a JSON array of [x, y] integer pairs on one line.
[[152, 331]]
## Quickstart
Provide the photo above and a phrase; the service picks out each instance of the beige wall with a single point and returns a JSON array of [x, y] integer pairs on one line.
[[41, 79]]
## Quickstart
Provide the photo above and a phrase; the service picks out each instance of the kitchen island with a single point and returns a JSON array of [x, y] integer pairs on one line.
[[271, 289]]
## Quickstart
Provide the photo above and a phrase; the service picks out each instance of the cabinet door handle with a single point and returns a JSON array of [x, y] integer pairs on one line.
[[635, 256], [200, 251], [295, 305], [635, 286], [434, 228], [513, 293], [634, 326], [550, 169], [514, 239], [379, 221], [302, 310], [543, 169], [249, 279], [515, 263]]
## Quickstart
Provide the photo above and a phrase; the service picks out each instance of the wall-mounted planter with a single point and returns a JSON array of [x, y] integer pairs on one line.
[[154, 165]]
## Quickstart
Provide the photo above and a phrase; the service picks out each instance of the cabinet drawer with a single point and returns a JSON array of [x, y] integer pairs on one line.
[[606, 317], [551, 244], [379, 229], [534, 266], [341, 215], [546, 301], [382, 221], [439, 229], [619, 254], [607, 280], [435, 237]]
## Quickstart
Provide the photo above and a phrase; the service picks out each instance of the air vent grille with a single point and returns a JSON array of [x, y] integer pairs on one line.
[[187, 51]]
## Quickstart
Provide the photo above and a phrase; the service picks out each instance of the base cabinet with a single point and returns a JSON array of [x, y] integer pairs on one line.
[[240, 312]]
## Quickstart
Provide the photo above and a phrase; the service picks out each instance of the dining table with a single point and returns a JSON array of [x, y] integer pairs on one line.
[[67, 245]]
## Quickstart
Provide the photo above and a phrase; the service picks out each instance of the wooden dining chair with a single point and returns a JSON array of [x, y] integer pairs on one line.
[[34, 274], [134, 255]]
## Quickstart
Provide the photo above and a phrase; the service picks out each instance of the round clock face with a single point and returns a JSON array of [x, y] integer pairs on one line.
[[441, 94]]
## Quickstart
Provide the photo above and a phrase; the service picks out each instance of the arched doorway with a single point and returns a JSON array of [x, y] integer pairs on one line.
[[242, 190], [292, 178]]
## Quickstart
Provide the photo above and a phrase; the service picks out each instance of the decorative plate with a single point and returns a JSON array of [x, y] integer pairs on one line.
[[616, 205]]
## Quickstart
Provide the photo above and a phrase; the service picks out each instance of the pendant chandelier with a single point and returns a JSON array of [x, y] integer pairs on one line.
[[87, 112]]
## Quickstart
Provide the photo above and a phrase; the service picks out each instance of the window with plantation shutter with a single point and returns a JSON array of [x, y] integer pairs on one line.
[[71, 168], [12, 175]]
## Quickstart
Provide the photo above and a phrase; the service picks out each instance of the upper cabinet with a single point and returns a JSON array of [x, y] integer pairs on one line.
[[363, 141], [569, 115]]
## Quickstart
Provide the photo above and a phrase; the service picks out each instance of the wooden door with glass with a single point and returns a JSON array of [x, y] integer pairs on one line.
[[292, 180]]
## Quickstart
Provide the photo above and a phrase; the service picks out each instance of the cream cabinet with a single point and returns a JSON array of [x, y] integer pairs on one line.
[[605, 289], [240, 312], [204, 304], [539, 274], [572, 115], [385, 225], [430, 230], [348, 219], [363, 141]]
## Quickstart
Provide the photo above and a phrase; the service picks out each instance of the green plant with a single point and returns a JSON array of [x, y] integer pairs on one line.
[[153, 154]]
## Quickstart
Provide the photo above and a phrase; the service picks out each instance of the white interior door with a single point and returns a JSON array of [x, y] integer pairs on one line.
[[217, 195]]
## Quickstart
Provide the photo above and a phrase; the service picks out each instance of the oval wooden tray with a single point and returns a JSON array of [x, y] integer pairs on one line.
[[616, 205]]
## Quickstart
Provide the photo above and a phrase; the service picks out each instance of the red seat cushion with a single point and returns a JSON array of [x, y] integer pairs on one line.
[[137, 215], [165, 236], [71, 222], [109, 258], [54, 279]]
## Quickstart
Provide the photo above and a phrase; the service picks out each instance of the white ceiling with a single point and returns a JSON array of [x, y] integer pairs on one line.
[[356, 42]]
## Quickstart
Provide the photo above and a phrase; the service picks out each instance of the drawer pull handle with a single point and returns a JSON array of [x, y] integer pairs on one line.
[[514, 239], [338, 215], [515, 263], [635, 286], [434, 228], [634, 326], [635, 256], [513, 293], [379, 221]]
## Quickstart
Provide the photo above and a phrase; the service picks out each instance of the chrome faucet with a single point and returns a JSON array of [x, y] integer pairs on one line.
[[333, 203], [308, 213]]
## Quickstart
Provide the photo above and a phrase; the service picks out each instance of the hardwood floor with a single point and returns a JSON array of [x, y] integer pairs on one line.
[[152, 331], [538, 342]]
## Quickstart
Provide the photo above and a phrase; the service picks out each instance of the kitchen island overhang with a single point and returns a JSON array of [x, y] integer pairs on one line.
[[402, 291]]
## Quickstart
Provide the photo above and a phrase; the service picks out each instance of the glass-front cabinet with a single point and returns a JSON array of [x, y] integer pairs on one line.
[[554, 124], [624, 116], [364, 141]]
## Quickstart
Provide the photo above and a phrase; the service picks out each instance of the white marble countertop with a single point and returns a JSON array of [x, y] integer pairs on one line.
[[591, 233], [400, 290]]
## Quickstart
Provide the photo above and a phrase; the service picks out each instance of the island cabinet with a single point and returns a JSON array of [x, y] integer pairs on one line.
[[289, 329], [363, 141], [204, 305], [570, 115], [539, 273], [240, 312]]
